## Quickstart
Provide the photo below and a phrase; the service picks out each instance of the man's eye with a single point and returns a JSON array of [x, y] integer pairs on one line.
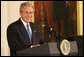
[[31, 12], [26, 12]]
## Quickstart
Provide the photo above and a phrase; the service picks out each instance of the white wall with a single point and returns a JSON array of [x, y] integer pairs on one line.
[[9, 14]]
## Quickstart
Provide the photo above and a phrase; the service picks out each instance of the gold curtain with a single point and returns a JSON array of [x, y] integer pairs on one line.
[[79, 17]]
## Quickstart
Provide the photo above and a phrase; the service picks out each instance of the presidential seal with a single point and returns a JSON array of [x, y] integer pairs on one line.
[[65, 47]]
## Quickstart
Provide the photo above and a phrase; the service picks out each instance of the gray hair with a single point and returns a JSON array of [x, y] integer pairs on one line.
[[25, 4]]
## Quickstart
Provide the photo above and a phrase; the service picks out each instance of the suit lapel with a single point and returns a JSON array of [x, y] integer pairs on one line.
[[33, 33], [32, 27], [23, 32]]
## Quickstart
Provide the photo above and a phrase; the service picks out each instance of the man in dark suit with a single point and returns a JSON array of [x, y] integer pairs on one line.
[[23, 33]]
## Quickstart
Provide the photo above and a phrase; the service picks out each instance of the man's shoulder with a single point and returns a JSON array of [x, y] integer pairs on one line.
[[14, 24], [34, 24]]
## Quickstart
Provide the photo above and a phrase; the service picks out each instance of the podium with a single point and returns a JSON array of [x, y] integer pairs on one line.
[[47, 49]]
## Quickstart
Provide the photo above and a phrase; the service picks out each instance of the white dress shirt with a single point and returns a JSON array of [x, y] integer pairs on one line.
[[25, 24]]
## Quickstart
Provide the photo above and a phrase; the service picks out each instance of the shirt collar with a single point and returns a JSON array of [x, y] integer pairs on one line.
[[24, 22]]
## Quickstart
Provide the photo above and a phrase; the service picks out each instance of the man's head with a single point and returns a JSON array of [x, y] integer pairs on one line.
[[26, 11]]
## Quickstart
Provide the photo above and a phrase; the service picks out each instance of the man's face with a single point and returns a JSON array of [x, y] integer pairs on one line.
[[27, 14]]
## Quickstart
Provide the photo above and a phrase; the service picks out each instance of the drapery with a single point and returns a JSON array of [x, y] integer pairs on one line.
[[48, 8]]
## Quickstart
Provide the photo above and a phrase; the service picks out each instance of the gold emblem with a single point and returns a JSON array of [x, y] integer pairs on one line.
[[65, 47]]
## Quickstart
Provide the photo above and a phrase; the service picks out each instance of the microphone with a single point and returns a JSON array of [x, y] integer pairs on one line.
[[51, 31], [55, 34]]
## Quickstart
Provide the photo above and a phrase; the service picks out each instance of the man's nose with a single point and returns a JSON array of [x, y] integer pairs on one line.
[[29, 14]]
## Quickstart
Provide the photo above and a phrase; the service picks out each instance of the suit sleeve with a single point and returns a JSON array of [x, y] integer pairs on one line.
[[11, 37]]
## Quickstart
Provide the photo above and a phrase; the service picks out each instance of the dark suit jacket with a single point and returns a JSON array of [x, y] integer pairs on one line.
[[18, 38]]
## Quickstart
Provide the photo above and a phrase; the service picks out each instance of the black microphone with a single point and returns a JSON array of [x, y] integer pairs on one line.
[[47, 29], [51, 31], [56, 34]]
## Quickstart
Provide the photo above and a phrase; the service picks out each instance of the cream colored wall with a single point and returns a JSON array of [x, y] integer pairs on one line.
[[4, 45], [9, 14]]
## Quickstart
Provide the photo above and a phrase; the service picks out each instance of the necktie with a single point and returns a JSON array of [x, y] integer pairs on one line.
[[28, 31]]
